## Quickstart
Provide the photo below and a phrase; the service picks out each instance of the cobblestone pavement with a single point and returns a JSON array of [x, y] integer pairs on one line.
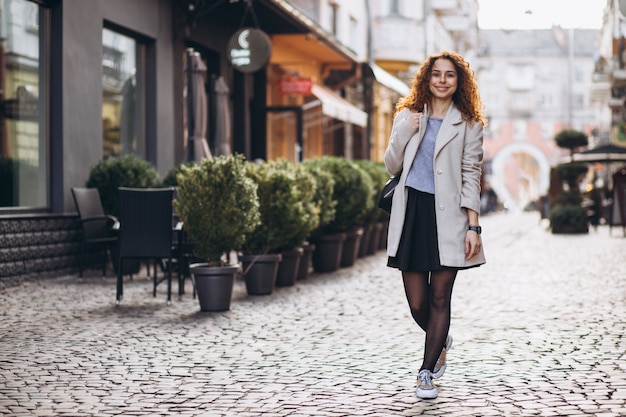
[[539, 331]]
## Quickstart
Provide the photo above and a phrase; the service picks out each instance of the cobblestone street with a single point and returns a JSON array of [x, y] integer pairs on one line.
[[540, 330]]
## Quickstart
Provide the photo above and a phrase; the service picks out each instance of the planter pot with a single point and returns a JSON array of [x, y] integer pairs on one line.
[[365, 240], [260, 272], [304, 269], [327, 254], [570, 229], [351, 247], [377, 229], [383, 235], [214, 285], [288, 267]]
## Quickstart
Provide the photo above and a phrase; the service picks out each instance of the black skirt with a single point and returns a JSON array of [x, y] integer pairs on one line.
[[418, 250]]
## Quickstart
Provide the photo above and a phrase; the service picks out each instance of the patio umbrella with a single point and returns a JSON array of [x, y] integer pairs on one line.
[[197, 111], [223, 130], [603, 153]]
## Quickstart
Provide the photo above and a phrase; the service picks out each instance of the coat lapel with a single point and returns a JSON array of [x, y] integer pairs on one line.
[[449, 128]]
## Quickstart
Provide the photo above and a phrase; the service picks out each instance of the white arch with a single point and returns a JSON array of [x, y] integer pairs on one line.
[[497, 177]]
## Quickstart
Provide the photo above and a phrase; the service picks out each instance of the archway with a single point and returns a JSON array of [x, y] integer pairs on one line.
[[520, 174]]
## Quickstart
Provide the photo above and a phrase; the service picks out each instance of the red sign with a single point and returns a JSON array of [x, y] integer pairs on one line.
[[295, 86]]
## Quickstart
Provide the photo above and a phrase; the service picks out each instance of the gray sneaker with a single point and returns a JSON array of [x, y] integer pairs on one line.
[[425, 387], [440, 366]]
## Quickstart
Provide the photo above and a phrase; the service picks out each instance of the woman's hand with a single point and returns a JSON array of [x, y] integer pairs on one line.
[[472, 244], [414, 120]]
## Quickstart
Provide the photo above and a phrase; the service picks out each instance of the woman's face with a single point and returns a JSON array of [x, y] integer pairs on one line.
[[443, 79]]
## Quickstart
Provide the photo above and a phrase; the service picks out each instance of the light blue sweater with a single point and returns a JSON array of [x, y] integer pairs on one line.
[[421, 175]]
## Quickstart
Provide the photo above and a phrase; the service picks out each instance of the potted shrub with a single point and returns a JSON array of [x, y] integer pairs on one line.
[[352, 193], [325, 206], [372, 221], [301, 216], [287, 214], [218, 206]]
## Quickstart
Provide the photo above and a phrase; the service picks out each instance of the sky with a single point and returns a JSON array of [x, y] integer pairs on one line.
[[540, 14]]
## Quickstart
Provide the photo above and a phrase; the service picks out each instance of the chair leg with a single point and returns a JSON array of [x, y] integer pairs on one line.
[[120, 288], [154, 278], [169, 282]]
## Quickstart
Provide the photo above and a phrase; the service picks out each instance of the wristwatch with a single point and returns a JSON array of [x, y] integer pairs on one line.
[[476, 229]]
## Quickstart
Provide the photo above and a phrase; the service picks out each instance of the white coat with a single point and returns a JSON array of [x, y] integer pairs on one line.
[[457, 167]]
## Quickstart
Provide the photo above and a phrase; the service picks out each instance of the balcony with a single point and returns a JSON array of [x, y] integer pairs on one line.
[[445, 7]]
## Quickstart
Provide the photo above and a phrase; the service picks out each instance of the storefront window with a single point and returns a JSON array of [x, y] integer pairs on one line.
[[23, 105], [123, 95]]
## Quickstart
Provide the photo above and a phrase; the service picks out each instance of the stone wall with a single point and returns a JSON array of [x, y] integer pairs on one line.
[[35, 246]]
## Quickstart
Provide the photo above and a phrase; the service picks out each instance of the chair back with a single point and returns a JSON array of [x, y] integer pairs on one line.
[[89, 207], [145, 218]]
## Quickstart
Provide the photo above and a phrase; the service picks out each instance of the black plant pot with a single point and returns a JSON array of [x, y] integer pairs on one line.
[[351, 246], [374, 243], [288, 267], [260, 272], [327, 254], [365, 240], [214, 285], [304, 269], [383, 235]]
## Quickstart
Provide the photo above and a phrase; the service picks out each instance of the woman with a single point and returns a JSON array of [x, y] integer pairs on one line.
[[436, 148]]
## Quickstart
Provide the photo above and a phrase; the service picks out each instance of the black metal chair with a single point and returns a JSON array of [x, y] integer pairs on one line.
[[146, 231], [97, 227]]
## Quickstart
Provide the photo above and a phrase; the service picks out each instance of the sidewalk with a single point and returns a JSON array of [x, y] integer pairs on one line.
[[540, 330]]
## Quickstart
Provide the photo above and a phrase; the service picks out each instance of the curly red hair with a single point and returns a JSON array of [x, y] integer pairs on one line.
[[466, 98]]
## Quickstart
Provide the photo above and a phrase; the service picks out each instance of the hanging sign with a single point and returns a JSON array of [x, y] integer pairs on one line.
[[298, 85], [249, 49]]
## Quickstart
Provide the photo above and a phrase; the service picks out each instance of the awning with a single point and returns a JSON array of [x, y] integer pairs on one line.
[[337, 107], [389, 81]]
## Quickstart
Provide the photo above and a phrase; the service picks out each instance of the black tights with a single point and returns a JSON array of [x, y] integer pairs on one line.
[[429, 302]]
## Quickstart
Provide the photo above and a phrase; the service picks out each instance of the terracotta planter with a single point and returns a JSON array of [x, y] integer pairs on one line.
[[214, 285], [327, 254], [351, 247], [288, 267], [260, 272], [304, 269]]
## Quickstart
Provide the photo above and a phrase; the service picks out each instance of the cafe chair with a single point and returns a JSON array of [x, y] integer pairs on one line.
[[97, 227], [146, 232]]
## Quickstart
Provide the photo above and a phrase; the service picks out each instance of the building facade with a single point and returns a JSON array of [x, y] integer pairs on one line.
[[534, 83]]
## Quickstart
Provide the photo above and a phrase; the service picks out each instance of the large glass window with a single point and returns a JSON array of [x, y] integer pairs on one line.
[[123, 95], [23, 105]]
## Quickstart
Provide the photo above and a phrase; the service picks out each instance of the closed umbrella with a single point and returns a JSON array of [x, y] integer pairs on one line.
[[197, 112], [223, 129]]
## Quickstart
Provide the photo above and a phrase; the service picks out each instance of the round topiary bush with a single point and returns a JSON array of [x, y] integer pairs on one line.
[[288, 213], [352, 192], [218, 205], [379, 176], [124, 171], [323, 197]]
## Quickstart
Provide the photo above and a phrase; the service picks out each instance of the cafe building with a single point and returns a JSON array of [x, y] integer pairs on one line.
[[82, 81]]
